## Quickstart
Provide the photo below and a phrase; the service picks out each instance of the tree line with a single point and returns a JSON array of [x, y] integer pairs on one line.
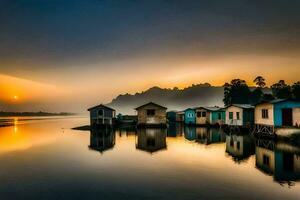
[[238, 92]]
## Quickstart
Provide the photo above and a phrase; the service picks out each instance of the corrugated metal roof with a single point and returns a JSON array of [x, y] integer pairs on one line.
[[210, 108], [155, 104], [101, 106], [278, 101], [282, 100], [245, 106]]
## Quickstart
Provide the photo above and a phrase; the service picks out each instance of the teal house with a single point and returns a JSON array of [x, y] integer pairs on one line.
[[210, 115], [190, 116]]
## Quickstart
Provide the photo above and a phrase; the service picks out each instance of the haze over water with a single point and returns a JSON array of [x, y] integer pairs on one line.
[[45, 159]]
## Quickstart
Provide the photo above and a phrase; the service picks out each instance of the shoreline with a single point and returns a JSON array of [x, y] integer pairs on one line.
[[33, 114]]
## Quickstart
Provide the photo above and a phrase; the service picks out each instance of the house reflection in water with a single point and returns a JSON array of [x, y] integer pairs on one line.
[[102, 140], [151, 140], [240, 147], [209, 135], [190, 133], [282, 160], [175, 130], [126, 131]]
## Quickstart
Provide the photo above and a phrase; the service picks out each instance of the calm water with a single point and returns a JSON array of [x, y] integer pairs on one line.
[[45, 159]]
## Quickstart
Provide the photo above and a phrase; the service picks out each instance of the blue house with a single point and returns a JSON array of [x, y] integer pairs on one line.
[[102, 115], [278, 113], [190, 116]]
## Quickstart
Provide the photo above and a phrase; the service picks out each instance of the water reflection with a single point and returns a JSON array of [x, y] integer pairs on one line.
[[240, 147], [127, 131], [190, 133], [66, 165], [25, 134], [16, 125], [280, 159], [151, 140], [209, 135], [102, 140], [175, 130]]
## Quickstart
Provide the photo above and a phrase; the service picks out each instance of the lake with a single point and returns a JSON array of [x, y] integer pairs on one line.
[[43, 158]]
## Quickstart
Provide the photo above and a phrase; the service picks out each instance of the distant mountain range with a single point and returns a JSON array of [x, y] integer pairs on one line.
[[173, 99]]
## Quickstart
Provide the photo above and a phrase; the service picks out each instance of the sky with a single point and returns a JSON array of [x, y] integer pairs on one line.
[[66, 55]]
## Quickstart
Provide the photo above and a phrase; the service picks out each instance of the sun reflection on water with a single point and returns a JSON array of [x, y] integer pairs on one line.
[[15, 125], [25, 133]]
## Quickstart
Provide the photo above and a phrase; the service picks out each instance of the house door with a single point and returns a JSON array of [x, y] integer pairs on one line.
[[287, 117]]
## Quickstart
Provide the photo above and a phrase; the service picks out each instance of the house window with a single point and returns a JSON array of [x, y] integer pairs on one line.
[[203, 114], [100, 112], [237, 115], [266, 160], [190, 115], [265, 113], [230, 115], [198, 114], [150, 112]]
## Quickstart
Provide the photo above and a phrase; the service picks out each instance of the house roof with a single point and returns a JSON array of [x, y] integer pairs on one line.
[[101, 106], [189, 109], [278, 101], [150, 150], [151, 103], [180, 112], [101, 149], [210, 108], [244, 106]]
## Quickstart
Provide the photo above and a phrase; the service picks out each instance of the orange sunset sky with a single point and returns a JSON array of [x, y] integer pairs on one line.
[[69, 56]]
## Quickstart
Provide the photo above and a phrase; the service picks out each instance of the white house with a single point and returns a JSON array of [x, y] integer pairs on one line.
[[239, 114]]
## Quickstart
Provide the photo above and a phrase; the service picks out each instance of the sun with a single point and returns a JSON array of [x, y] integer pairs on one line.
[[15, 97]]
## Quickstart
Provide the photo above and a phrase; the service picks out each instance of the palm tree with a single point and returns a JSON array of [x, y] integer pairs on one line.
[[260, 81]]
